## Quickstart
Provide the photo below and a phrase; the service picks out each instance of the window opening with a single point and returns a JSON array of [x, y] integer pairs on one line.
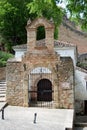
[[40, 33]]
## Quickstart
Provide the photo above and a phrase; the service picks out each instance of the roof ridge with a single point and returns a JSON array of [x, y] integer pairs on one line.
[[56, 43], [64, 43]]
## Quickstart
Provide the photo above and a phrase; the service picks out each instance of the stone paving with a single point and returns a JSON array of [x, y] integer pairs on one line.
[[20, 118], [80, 128], [81, 122]]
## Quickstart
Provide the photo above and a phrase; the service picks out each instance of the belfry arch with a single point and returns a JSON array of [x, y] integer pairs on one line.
[[32, 29], [40, 32]]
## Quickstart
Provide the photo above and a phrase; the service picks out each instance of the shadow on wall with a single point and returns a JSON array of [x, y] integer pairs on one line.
[[2, 73]]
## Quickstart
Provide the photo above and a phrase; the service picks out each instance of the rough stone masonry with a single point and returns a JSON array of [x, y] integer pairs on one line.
[[42, 55]]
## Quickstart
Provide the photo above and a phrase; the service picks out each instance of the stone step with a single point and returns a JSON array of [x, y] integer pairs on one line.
[[2, 90], [2, 82], [2, 86], [2, 99], [2, 93]]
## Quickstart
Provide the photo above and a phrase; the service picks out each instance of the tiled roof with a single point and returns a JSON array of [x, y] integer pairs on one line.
[[22, 46], [63, 44], [56, 44]]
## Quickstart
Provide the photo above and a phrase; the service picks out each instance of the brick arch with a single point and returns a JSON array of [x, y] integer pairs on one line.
[[44, 77], [40, 21], [40, 24], [36, 77], [33, 70]]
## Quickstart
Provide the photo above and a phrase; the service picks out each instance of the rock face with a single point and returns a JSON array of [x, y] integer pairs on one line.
[[69, 33], [22, 78]]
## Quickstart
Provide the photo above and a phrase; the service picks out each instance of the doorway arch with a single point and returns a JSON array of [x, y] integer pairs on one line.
[[44, 90]]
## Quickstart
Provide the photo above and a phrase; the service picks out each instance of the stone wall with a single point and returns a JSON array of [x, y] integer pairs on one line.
[[63, 80], [2, 73], [66, 83], [46, 59], [61, 68], [14, 79]]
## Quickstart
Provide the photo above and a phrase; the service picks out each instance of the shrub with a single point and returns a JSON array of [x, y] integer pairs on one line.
[[4, 56]]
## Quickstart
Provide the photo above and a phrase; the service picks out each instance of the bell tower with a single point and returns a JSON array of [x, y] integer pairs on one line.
[[32, 42]]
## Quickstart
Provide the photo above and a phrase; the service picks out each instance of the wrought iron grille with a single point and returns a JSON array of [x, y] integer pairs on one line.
[[40, 88]]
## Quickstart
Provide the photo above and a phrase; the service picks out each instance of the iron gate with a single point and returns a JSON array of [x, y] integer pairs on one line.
[[40, 88]]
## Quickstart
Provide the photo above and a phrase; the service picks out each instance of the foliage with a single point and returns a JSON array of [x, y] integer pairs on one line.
[[82, 65], [13, 17], [78, 11], [4, 57], [15, 13], [40, 33], [48, 9]]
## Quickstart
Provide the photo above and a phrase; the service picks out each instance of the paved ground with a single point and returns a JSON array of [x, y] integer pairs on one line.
[[80, 128], [20, 118], [81, 121]]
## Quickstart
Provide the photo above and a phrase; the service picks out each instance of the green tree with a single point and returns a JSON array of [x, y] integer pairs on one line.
[[15, 13], [13, 16], [78, 11], [48, 9]]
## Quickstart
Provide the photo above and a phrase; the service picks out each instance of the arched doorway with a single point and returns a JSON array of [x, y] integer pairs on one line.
[[44, 90]]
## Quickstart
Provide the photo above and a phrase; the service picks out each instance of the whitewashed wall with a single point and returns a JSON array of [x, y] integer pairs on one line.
[[66, 52], [19, 53], [63, 52], [80, 85]]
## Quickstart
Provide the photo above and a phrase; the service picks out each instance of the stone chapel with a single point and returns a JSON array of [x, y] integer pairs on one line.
[[40, 76]]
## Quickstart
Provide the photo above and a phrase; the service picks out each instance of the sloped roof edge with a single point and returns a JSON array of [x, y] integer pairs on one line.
[[57, 43]]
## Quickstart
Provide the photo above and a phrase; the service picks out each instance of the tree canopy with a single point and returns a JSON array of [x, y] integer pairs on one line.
[[78, 11], [15, 13], [48, 9], [13, 17]]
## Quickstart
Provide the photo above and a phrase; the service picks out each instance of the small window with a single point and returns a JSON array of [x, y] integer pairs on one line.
[[40, 33]]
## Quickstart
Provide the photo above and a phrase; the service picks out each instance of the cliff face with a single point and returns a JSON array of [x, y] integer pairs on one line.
[[69, 33]]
